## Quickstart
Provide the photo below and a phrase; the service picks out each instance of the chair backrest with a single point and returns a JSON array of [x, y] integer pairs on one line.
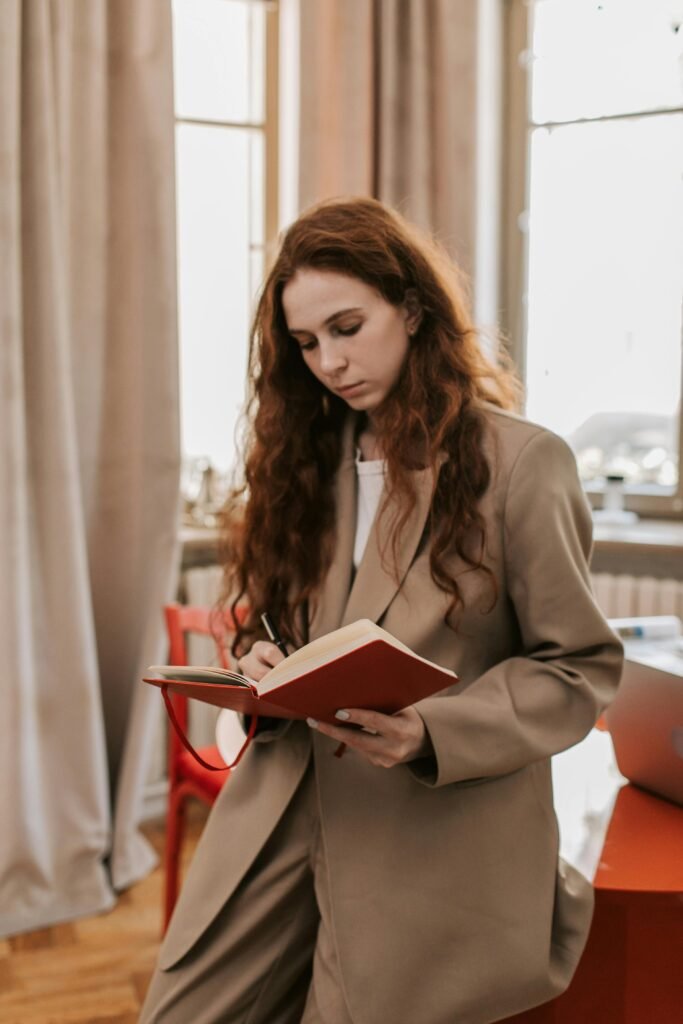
[[181, 620], [185, 618]]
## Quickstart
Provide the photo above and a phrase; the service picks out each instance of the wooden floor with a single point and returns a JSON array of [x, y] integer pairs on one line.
[[94, 970]]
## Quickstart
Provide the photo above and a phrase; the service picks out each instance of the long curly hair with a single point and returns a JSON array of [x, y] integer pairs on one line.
[[279, 522]]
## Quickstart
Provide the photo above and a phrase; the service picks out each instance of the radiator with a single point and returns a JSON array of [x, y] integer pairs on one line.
[[619, 596], [626, 596]]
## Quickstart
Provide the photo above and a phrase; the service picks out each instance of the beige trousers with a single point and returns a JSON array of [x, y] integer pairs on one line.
[[269, 956]]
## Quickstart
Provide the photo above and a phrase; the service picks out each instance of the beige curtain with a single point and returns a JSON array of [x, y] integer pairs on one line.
[[389, 108], [89, 440]]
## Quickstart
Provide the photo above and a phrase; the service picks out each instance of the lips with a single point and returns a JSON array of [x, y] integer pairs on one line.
[[349, 388]]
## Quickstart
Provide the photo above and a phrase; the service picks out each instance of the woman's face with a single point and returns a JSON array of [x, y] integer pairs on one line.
[[350, 338]]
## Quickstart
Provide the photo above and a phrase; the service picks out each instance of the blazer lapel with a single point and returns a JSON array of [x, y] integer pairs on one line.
[[376, 583], [343, 598], [328, 608]]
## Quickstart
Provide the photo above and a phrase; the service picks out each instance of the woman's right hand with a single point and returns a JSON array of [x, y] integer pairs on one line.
[[260, 659]]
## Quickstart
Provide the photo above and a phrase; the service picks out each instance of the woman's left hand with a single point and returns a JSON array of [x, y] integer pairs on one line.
[[386, 740]]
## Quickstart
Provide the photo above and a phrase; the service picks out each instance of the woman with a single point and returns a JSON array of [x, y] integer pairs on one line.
[[416, 879]]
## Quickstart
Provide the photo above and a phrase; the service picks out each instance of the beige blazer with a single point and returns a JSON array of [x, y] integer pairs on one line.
[[449, 902]]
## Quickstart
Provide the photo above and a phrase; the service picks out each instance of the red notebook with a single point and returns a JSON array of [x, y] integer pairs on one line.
[[357, 666]]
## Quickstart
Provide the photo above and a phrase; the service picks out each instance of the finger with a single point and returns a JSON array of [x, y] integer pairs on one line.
[[374, 721], [267, 653], [260, 659], [374, 748], [381, 762], [351, 737]]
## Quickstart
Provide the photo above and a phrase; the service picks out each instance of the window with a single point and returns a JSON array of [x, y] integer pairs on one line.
[[225, 57], [593, 261]]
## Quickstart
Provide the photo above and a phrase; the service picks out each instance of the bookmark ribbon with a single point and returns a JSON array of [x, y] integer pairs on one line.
[[188, 746]]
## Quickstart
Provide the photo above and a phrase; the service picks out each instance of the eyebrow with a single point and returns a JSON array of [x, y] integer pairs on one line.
[[330, 319]]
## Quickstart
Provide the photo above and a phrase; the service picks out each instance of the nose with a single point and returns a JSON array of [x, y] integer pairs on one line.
[[332, 358]]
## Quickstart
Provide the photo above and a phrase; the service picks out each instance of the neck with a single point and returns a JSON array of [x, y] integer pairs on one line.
[[369, 442]]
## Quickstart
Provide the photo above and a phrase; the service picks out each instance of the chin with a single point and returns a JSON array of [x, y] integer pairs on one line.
[[363, 403]]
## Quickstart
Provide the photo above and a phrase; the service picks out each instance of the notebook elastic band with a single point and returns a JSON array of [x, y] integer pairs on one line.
[[188, 746]]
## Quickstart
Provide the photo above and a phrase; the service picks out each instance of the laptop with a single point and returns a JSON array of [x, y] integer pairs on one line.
[[645, 719]]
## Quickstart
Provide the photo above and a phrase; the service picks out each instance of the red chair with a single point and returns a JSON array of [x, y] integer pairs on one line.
[[186, 777]]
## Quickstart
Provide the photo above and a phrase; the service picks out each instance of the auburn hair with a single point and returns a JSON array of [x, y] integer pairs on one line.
[[278, 525]]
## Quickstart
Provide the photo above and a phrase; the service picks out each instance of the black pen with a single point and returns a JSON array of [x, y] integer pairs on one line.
[[273, 634]]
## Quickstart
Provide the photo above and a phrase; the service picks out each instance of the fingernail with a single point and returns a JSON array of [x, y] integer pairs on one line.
[[344, 715], [312, 722]]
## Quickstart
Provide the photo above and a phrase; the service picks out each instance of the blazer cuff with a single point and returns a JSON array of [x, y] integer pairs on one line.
[[425, 769]]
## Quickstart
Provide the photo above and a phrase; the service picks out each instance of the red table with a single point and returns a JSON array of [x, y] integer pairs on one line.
[[632, 968]]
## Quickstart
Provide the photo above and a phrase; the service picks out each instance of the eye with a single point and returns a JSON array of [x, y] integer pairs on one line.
[[348, 331], [306, 346]]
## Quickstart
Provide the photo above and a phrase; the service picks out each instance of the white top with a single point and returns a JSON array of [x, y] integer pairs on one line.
[[370, 484]]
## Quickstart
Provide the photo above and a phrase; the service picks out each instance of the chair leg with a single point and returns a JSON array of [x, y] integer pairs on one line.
[[175, 827]]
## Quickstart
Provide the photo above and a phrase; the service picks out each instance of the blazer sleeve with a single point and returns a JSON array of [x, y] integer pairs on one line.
[[531, 706]]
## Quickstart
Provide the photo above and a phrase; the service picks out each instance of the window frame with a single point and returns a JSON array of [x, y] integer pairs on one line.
[[270, 126], [271, 132], [269, 129], [517, 131]]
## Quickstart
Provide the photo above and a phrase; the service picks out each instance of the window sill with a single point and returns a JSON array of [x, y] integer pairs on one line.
[[650, 547], [199, 546]]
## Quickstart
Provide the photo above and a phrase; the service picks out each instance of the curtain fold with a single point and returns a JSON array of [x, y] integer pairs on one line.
[[389, 108], [336, 98], [89, 461]]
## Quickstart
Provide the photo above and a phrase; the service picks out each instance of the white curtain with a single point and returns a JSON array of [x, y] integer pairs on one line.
[[89, 451]]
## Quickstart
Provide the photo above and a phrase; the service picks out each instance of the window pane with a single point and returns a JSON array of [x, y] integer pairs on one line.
[[214, 181], [218, 52], [257, 198], [599, 57], [257, 62], [604, 299]]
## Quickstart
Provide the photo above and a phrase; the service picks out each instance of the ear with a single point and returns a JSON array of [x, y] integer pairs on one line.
[[412, 310]]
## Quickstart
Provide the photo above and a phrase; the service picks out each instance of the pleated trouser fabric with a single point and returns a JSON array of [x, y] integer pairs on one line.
[[269, 956]]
